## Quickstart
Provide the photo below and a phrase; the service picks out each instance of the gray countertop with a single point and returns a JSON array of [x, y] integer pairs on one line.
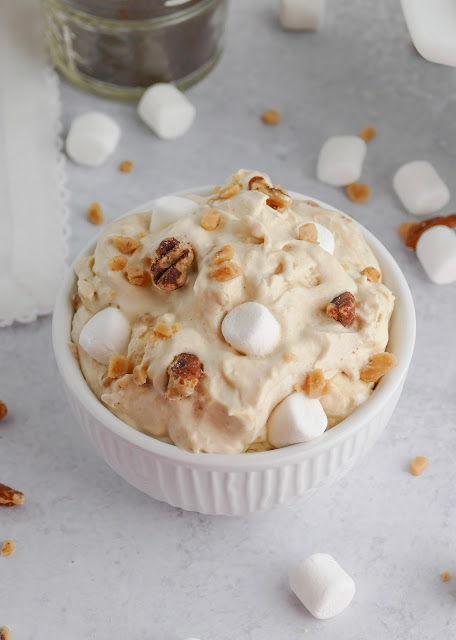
[[98, 560]]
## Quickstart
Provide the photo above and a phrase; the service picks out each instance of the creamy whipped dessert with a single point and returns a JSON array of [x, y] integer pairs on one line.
[[200, 323]]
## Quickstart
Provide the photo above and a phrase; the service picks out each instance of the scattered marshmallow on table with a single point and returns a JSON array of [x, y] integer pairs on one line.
[[436, 250], [302, 15], [323, 587], [420, 188], [106, 333], [297, 418], [166, 111], [92, 138], [251, 329], [168, 209], [341, 160]]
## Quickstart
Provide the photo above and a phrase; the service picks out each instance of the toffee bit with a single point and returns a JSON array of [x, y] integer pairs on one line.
[[358, 192], [227, 271], [126, 166], [418, 465], [210, 220], [271, 117], [224, 254], [3, 410], [371, 274], [368, 133], [117, 263], [377, 366], [125, 244], [7, 548], [95, 214], [412, 231]]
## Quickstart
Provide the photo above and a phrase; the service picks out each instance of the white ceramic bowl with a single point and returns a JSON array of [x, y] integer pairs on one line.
[[238, 484]]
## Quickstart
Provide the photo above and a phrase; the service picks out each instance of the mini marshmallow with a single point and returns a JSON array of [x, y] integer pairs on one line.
[[302, 15], [436, 250], [325, 236], [297, 418], [106, 333], [420, 188], [323, 587], [168, 209], [166, 111], [92, 137], [251, 329], [341, 160]]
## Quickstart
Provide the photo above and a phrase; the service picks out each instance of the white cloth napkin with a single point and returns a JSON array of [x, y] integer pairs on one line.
[[33, 198]]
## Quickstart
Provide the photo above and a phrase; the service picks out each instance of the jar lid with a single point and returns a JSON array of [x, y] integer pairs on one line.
[[129, 9]]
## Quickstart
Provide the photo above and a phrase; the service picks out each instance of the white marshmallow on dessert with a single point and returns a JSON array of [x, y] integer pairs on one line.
[[436, 250], [341, 160], [325, 236], [251, 329], [302, 15], [168, 209], [166, 111], [107, 333], [420, 188], [92, 138], [297, 418], [323, 587]]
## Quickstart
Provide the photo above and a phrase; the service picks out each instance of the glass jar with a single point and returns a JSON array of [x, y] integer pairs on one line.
[[117, 48]]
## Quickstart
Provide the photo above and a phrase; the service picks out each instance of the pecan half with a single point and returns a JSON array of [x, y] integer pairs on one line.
[[169, 269], [185, 372], [412, 231], [378, 365], [342, 309], [277, 197], [10, 497]]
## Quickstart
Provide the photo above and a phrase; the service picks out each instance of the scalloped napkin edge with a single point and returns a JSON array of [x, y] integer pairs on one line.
[[34, 215]]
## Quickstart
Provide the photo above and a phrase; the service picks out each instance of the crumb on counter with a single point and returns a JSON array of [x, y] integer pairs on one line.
[[3, 409], [418, 465], [445, 576], [358, 192], [271, 117], [368, 133], [7, 548], [126, 166], [95, 214]]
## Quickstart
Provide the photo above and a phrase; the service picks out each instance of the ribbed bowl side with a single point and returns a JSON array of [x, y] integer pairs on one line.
[[218, 492]]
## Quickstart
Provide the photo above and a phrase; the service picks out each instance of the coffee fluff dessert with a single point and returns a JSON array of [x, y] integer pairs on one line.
[[235, 322]]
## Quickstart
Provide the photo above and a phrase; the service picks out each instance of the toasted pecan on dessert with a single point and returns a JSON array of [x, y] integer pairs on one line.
[[185, 372], [343, 309], [169, 268]]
